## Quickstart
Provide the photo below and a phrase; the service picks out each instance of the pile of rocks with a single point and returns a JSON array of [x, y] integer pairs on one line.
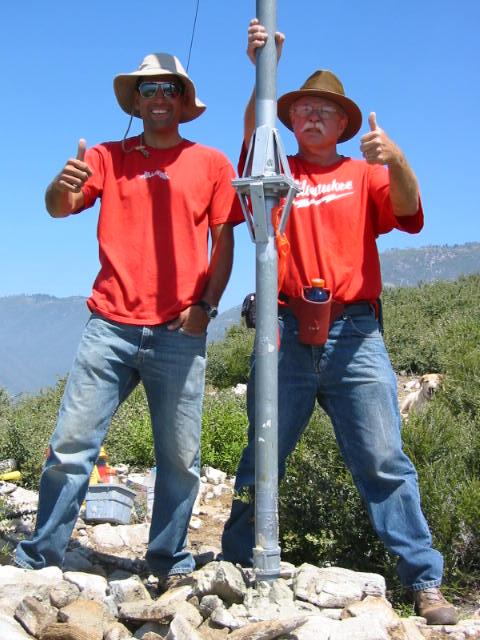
[[220, 601], [106, 593]]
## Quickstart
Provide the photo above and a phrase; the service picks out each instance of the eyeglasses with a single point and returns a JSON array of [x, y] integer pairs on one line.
[[168, 89], [323, 111]]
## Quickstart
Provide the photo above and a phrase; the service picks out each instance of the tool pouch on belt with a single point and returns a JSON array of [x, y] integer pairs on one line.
[[313, 319]]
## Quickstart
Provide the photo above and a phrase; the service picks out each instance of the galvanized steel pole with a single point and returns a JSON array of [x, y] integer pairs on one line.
[[266, 553], [266, 178]]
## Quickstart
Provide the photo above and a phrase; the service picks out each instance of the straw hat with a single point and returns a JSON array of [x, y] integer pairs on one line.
[[156, 64], [323, 84]]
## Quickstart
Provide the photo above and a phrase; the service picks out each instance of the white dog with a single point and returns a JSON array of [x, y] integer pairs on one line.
[[425, 387]]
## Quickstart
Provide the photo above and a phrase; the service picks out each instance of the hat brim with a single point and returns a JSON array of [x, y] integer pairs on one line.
[[125, 85], [353, 113]]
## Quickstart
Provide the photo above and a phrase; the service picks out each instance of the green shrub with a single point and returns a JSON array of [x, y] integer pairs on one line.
[[415, 316], [31, 424], [229, 361], [224, 430], [322, 519], [321, 514], [129, 440], [5, 418]]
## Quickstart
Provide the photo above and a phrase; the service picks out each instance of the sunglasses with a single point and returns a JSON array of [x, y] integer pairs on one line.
[[168, 89]]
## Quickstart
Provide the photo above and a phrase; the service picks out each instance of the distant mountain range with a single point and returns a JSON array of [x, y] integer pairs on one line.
[[39, 333]]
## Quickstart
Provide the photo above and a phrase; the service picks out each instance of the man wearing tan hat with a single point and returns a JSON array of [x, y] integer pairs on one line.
[[344, 204], [157, 290]]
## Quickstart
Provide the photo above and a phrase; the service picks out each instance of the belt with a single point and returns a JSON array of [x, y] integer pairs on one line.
[[338, 309]]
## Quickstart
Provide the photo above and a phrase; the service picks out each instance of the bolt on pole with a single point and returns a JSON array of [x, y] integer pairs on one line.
[[266, 178]]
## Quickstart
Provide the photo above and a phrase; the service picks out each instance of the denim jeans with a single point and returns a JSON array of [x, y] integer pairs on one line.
[[111, 360], [352, 379]]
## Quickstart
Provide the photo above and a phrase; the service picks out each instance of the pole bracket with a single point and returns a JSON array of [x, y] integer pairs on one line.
[[266, 174]]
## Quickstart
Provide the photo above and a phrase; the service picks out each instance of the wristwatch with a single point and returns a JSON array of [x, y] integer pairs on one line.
[[210, 310]]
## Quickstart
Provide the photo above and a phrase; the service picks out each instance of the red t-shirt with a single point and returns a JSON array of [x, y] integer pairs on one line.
[[153, 226], [333, 226]]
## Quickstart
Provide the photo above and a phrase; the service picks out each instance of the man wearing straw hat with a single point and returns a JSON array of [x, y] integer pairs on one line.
[[157, 289], [343, 206]]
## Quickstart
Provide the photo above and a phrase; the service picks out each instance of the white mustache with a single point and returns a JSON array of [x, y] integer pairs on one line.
[[313, 125]]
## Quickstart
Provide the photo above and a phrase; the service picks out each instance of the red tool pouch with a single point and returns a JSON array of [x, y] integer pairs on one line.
[[313, 319]]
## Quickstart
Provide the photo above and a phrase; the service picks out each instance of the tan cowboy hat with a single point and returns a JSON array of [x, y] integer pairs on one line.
[[157, 64], [323, 84]]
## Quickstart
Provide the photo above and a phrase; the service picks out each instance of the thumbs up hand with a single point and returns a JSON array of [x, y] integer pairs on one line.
[[75, 172], [376, 146], [82, 147]]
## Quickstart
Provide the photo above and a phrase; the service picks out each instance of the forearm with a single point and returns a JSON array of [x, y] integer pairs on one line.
[[404, 192], [221, 260], [249, 120], [61, 203]]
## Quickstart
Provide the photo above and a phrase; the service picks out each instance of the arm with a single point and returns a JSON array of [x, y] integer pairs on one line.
[[377, 148], [64, 194], [193, 319], [257, 36]]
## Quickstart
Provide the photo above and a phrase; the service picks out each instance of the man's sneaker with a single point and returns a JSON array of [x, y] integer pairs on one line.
[[431, 605], [165, 583]]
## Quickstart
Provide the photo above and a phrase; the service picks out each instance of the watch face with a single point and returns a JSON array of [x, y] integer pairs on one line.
[[211, 311]]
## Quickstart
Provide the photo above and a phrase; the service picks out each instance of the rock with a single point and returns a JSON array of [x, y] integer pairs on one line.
[[106, 536], [10, 629], [152, 628], [361, 628], [378, 609], [189, 613], [411, 631], [181, 629], [221, 579], [34, 615], [240, 389], [63, 594], [91, 586], [335, 587], [267, 630], [176, 595], [224, 618], [116, 631], [213, 476], [16, 584], [195, 523], [128, 590], [208, 604], [87, 615], [67, 631], [147, 611]]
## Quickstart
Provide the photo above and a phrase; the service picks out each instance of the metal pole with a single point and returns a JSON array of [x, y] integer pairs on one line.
[[266, 554], [266, 178]]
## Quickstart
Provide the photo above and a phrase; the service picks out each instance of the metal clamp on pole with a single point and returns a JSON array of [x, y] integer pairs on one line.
[[266, 178], [266, 174]]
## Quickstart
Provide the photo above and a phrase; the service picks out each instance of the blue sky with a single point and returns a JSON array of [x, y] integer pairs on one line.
[[414, 63]]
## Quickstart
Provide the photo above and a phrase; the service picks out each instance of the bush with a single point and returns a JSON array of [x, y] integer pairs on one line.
[[224, 431], [26, 429], [30, 426], [322, 517], [129, 440], [229, 361], [415, 316]]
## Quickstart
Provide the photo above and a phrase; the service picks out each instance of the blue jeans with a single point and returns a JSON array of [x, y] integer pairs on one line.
[[111, 360], [353, 381]]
